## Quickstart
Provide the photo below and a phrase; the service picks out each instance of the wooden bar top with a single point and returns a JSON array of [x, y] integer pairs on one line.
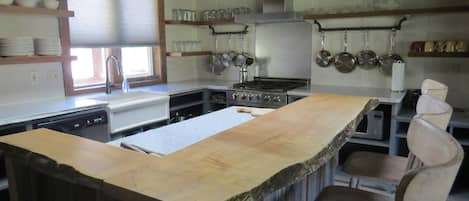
[[243, 163]]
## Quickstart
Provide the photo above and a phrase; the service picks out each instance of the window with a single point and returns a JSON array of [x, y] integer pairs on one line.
[[138, 31], [89, 68], [138, 64]]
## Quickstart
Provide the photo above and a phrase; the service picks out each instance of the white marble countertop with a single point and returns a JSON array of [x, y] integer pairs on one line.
[[187, 86], [384, 95], [17, 113], [174, 137]]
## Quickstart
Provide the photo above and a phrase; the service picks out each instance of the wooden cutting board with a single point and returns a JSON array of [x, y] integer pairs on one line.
[[256, 112]]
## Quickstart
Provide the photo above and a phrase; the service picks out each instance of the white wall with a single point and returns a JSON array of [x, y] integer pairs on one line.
[[451, 71], [16, 84], [454, 72]]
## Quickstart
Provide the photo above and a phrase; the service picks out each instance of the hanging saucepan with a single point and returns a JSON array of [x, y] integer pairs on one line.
[[217, 65], [386, 61], [367, 59], [240, 59], [324, 57], [345, 62]]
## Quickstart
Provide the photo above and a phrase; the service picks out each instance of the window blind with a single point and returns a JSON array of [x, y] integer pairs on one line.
[[114, 23]]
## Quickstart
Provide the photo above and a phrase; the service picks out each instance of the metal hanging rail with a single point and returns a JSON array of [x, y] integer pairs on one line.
[[245, 31], [397, 27]]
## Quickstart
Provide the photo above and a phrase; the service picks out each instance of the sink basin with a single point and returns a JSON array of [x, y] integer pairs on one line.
[[135, 109]]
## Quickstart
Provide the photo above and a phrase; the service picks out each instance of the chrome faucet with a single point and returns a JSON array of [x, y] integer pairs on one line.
[[118, 66]]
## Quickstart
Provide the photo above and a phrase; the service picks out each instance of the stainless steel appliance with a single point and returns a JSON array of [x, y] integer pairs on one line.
[[92, 124], [271, 11], [284, 50], [264, 92], [372, 126]]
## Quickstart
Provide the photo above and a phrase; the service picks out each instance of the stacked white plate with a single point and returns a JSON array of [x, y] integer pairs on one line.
[[16, 46], [48, 46]]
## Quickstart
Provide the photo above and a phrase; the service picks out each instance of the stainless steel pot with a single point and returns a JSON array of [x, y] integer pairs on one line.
[[323, 58], [386, 61], [367, 59], [345, 62]]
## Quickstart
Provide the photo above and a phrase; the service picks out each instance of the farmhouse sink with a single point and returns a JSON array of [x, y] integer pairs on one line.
[[134, 109]]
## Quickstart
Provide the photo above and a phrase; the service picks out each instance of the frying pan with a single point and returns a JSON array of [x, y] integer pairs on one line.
[[323, 57], [367, 59], [345, 62], [386, 61]]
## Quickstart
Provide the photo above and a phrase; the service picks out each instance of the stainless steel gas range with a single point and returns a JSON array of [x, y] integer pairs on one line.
[[264, 92]]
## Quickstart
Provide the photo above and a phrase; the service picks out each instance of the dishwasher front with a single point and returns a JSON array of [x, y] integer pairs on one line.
[[91, 124]]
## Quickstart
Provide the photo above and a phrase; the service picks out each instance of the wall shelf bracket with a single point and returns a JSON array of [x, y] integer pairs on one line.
[[371, 28], [214, 32]]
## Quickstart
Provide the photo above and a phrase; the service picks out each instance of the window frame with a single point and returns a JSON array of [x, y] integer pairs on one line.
[[158, 54]]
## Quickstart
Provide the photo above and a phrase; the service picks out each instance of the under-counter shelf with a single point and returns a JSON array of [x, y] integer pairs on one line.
[[398, 12], [439, 54], [200, 23], [378, 143], [3, 184], [36, 11], [35, 59], [188, 54]]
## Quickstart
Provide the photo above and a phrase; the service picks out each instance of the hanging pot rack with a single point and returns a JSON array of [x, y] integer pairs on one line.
[[244, 31], [370, 28]]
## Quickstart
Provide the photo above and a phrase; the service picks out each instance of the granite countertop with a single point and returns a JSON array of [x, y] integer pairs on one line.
[[17, 113], [382, 94]]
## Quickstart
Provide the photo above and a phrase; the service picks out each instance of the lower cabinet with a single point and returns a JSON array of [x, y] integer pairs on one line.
[[195, 103], [7, 130]]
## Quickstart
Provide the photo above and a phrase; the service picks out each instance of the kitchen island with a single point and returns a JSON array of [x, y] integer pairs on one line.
[[251, 161]]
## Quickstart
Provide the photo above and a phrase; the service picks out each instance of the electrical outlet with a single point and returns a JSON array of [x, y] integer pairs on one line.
[[52, 76], [34, 78]]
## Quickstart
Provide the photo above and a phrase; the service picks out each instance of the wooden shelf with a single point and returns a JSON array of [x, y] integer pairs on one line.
[[200, 23], [36, 11], [438, 54], [188, 54], [34, 59], [377, 143], [400, 12]]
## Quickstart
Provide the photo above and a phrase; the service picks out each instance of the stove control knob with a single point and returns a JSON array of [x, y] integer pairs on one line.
[[244, 97], [277, 99], [235, 96], [255, 97], [267, 98]]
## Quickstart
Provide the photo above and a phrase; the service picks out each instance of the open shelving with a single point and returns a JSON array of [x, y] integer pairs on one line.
[[398, 12], [189, 54], [35, 59], [36, 11], [439, 54], [200, 23], [377, 143]]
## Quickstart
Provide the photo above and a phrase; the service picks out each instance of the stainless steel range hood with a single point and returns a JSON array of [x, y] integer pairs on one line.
[[271, 11]]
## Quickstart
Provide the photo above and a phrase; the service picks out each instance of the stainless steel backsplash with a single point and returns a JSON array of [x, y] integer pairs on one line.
[[284, 50]]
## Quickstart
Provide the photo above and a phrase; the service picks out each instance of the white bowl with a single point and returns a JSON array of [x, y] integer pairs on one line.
[[27, 3], [51, 4], [6, 2]]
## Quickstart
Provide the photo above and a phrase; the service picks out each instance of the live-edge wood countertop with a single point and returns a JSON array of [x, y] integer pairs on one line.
[[246, 162]]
